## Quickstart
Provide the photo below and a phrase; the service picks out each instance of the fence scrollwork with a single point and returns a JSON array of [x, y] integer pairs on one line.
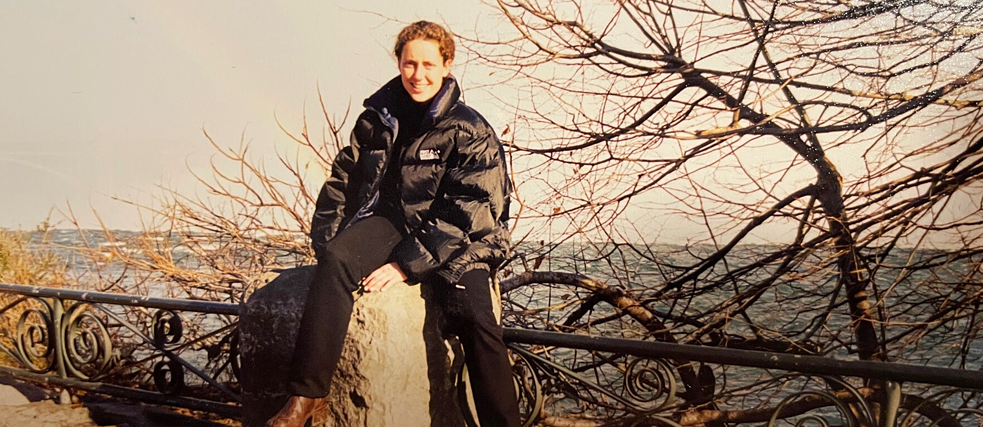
[[90, 338], [167, 328], [188, 351], [33, 337], [650, 382], [87, 341]]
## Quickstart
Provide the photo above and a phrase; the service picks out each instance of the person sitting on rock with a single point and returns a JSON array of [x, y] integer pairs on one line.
[[420, 195]]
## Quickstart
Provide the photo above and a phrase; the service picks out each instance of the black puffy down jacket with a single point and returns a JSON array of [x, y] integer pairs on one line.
[[454, 189]]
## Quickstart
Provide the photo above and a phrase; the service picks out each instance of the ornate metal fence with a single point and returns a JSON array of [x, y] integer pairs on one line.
[[176, 352], [185, 353], [567, 379]]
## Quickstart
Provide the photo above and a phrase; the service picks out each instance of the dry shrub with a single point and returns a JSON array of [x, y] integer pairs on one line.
[[24, 261]]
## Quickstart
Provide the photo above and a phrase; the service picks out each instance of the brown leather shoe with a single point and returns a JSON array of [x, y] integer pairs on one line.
[[294, 413]]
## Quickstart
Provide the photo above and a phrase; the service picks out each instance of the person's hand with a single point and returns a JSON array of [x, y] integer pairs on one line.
[[382, 277]]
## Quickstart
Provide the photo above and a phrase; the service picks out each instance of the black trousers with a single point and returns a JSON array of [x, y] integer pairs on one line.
[[351, 255]]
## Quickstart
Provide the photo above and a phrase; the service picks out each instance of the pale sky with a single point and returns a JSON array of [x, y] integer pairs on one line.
[[109, 98]]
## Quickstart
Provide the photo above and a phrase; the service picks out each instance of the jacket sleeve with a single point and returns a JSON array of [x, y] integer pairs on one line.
[[465, 228], [329, 212]]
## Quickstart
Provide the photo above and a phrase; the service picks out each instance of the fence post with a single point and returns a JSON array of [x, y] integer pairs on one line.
[[58, 336], [892, 401]]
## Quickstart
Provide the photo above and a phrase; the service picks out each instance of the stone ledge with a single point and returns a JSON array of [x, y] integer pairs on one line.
[[396, 369]]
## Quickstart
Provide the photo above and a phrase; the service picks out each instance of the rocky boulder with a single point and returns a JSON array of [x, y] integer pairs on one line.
[[396, 369]]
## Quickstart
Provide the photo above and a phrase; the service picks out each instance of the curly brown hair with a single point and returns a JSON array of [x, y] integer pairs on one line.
[[429, 31]]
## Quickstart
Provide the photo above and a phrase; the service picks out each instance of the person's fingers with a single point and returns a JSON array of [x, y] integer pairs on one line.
[[369, 283], [379, 285], [378, 279], [381, 278]]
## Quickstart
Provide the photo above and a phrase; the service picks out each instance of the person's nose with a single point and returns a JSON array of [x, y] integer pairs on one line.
[[418, 74]]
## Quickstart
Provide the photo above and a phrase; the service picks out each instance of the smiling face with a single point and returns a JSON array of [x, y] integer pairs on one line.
[[422, 69]]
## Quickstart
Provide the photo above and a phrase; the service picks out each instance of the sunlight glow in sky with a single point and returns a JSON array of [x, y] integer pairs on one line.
[[103, 99]]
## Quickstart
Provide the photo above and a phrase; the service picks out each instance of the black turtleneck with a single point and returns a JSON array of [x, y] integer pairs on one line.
[[409, 113], [409, 116]]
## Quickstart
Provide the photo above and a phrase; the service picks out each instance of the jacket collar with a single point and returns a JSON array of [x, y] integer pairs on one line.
[[443, 101]]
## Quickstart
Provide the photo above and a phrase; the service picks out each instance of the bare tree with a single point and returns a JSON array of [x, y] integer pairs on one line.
[[254, 218], [801, 177], [788, 176]]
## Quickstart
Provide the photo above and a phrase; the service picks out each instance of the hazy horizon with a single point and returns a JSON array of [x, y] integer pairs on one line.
[[108, 99]]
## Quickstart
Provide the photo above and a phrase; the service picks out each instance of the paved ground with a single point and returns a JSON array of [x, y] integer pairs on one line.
[[45, 414], [26, 405], [23, 405]]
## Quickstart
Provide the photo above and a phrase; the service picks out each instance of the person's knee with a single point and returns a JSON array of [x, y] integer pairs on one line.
[[334, 255]]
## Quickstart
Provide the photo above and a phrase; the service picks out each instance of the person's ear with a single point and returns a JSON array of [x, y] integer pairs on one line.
[[447, 67]]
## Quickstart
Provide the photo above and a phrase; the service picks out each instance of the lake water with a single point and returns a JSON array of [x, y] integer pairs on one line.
[[793, 307], [789, 307]]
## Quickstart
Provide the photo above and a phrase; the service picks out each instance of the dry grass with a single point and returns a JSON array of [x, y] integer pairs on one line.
[[22, 264]]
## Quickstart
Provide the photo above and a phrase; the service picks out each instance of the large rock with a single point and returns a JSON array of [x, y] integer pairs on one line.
[[396, 368]]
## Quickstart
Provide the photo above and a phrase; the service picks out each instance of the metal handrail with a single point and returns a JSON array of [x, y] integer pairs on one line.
[[818, 365], [826, 367], [164, 333], [749, 358], [123, 299]]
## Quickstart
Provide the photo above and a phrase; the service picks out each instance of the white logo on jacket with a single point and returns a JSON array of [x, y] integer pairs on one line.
[[430, 154]]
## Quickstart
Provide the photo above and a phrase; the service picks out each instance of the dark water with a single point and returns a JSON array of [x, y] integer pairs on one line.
[[911, 299], [788, 308]]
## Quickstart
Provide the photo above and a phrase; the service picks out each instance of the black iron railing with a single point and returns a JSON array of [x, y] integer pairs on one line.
[[569, 379], [176, 352], [816, 365], [185, 353]]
